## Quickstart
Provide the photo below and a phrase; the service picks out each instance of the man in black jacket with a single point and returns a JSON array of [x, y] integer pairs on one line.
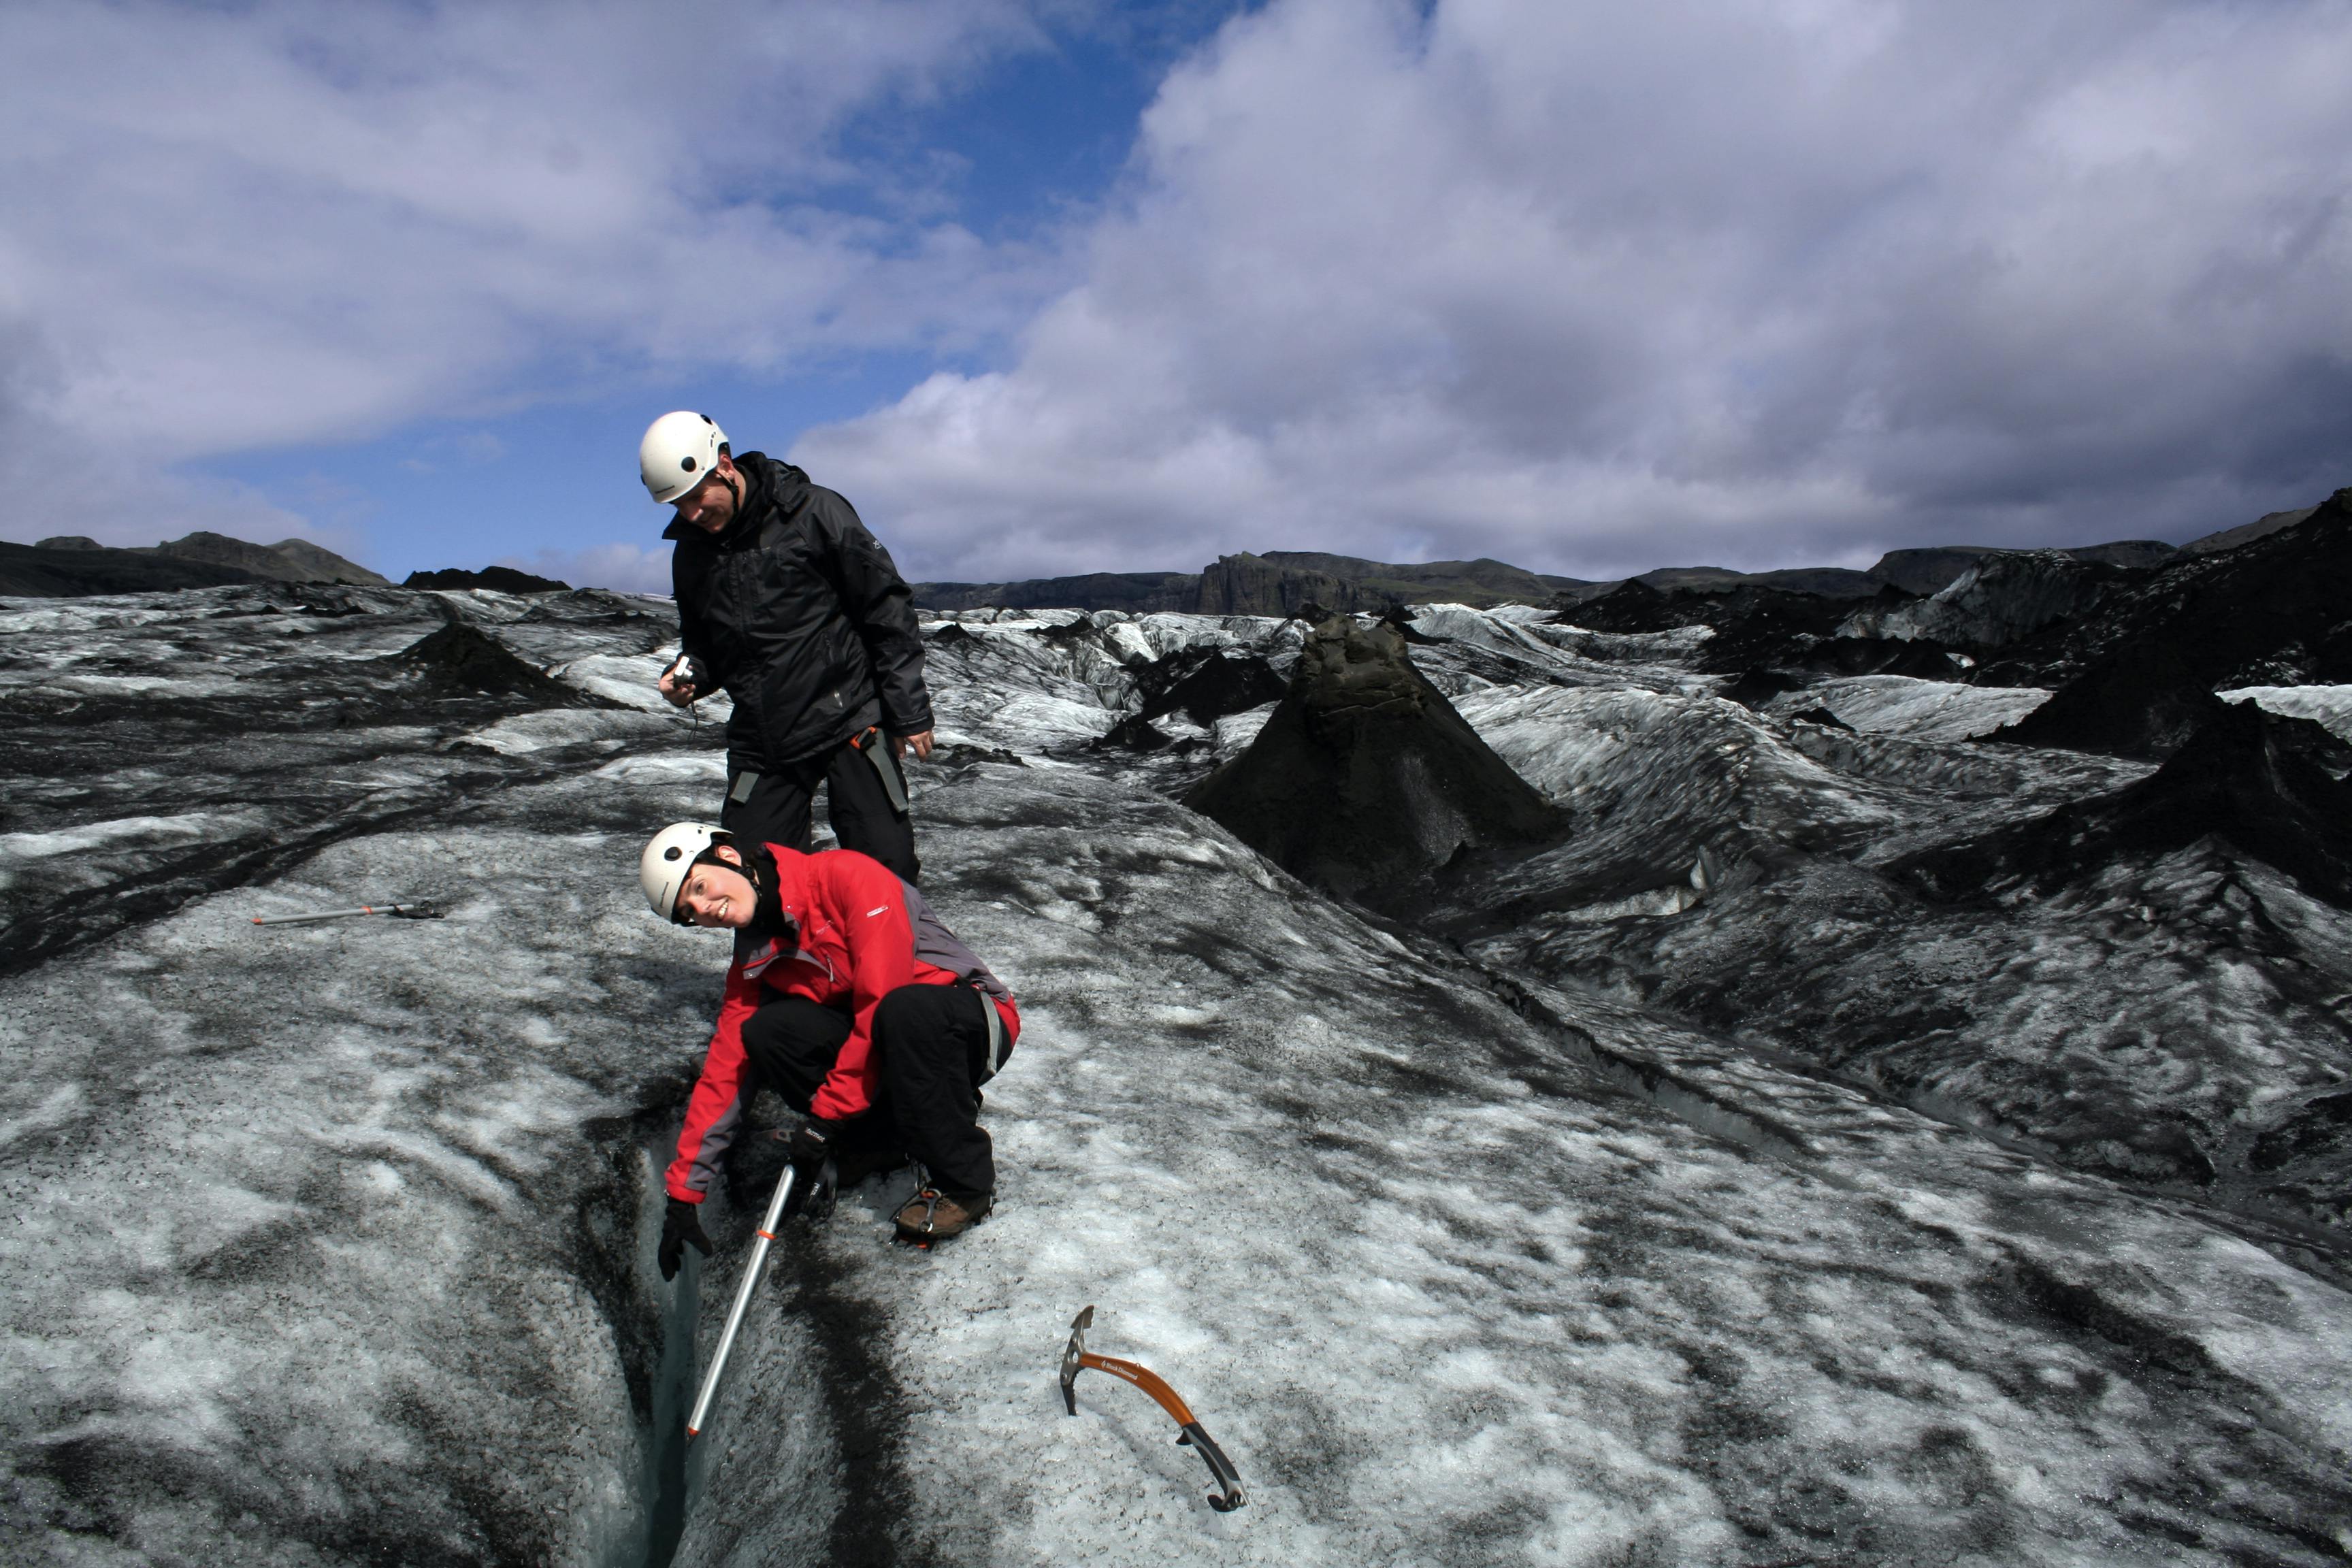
[[787, 602]]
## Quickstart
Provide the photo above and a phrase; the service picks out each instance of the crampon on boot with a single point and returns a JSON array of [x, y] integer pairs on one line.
[[933, 1216]]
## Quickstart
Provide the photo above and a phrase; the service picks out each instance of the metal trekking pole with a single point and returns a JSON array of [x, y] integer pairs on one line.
[[752, 1272]]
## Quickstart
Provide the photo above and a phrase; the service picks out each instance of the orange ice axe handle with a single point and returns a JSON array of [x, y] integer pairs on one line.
[[1076, 1358]]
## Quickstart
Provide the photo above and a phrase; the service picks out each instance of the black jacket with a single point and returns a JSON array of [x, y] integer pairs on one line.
[[798, 612]]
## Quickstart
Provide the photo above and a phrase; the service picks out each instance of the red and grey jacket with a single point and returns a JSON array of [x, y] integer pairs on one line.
[[863, 934]]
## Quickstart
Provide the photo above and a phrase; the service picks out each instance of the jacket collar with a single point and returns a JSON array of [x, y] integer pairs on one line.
[[792, 884], [769, 487]]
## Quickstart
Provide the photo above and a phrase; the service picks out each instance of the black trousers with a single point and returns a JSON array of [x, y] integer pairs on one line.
[[930, 1049], [776, 806]]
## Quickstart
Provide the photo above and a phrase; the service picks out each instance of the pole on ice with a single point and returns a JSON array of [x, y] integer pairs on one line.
[[701, 1418], [427, 910]]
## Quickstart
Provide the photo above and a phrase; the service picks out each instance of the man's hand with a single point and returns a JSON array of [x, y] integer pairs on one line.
[[680, 1224], [919, 744], [681, 682]]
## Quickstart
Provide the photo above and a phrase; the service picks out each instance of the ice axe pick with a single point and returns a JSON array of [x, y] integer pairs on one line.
[[1076, 1358]]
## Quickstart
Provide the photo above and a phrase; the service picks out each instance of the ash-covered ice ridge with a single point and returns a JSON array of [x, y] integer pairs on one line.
[[1704, 1187]]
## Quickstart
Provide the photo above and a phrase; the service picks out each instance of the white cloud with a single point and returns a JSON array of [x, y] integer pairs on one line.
[[265, 226], [1600, 288]]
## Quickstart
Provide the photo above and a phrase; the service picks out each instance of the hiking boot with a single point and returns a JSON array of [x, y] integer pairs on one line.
[[934, 1216]]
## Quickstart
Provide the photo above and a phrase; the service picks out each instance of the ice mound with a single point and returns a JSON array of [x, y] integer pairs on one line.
[[1366, 781], [2136, 678], [2274, 786], [1208, 684], [1998, 600], [1933, 710], [462, 658], [2327, 705]]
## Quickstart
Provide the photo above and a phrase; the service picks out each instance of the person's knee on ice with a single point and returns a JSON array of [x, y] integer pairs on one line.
[[849, 995]]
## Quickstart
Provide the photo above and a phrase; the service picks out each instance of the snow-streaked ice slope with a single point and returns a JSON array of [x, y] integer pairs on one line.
[[333, 1243], [2178, 1018], [1925, 710], [1450, 1295], [2327, 705]]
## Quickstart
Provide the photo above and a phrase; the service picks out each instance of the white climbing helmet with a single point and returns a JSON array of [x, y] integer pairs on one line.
[[663, 867], [678, 452]]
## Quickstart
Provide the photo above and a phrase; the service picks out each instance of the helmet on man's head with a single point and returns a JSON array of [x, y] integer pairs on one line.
[[663, 867], [678, 452]]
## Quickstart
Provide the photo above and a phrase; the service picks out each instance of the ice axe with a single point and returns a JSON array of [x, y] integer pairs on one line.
[[426, 910], [1076, 1358], [752, 1272]]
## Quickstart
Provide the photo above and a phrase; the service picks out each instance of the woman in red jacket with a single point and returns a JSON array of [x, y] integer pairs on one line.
[[852, 1000]]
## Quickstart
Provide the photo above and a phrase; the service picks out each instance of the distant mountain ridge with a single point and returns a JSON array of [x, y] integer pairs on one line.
[[71, 566], [1274, 582], [1283, 582]]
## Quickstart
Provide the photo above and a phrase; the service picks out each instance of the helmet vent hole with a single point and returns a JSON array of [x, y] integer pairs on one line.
[[686, 463], [672, 853]]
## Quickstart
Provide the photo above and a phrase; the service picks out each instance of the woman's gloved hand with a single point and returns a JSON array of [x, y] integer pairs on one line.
[[813, 1142], [680, 1224]]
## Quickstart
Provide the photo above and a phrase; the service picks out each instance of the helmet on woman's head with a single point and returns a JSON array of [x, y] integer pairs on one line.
[[663, 867]]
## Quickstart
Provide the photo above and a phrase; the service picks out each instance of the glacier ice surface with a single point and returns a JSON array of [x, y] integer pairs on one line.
[[1692, 1196]]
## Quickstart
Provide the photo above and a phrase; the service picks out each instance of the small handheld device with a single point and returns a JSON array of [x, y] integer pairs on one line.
[[688, 676]]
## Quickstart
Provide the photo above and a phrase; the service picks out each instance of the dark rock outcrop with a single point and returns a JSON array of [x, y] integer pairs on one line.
[[2131, 554], [462, 660], [1754, 687], [2262, 527], [1928, 570], [2134, 677], [1248, 584], [1764, 633], [50, 571], [1285, 582], [1134, 733], [70, 565], [1938, 567], [501, 579], [325, 567], [2278, 788], [287, 561], [1136, 593], [1827, 582], [2002, 597], [1208, 683], [1366, 781], [1278, 583], [1481, 583]]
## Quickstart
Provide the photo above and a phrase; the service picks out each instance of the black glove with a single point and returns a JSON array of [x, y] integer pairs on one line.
[[811, 1150], [680, 1224]]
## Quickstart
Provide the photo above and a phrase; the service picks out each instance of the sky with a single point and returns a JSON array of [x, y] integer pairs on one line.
[[1058, 286]]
